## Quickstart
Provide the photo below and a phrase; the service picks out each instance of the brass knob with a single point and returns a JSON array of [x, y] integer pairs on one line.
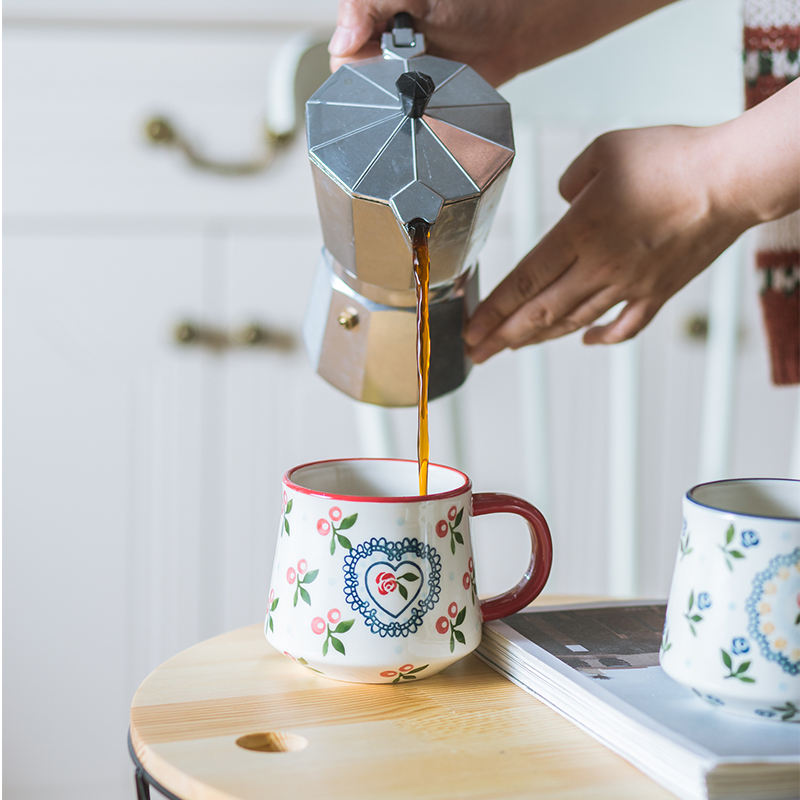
[[159, 130], [348, 318], [186, 332], [251, 335], [696, 327]]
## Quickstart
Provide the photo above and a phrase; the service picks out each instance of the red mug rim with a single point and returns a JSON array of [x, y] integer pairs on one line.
[[416, 498]]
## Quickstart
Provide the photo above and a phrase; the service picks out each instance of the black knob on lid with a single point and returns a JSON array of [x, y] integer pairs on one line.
[[403, 20], [415, 90]]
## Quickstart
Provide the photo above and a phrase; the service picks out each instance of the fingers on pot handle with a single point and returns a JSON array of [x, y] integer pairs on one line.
[[538, 570]]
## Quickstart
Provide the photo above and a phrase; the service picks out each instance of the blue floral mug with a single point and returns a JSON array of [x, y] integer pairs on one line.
[[732, 630]]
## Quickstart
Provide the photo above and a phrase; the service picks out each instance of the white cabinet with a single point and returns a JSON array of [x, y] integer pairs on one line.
[[103, 492], [142, 478]]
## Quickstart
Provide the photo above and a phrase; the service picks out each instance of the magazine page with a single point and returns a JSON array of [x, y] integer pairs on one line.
[[610, 650]]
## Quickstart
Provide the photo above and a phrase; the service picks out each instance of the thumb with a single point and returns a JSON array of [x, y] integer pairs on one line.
[[578, 174], [357, 22]]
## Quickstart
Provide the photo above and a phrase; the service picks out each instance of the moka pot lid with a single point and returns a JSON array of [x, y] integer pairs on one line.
[[410, 130]]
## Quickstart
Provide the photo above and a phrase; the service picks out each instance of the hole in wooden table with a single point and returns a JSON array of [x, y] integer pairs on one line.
[[272, 742]]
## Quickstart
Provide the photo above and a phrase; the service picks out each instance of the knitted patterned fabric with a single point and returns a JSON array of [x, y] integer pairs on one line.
[[771, 44]]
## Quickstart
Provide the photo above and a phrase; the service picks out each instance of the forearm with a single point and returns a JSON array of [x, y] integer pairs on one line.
[[499, 39], [551, 28], [757, 157]]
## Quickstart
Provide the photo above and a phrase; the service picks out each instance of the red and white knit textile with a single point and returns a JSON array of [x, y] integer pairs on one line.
[[771, 44]]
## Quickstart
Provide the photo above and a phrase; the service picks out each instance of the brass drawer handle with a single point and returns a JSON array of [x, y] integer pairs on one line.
[[695, 327], [253, 335], [161, 131], [299, 69]]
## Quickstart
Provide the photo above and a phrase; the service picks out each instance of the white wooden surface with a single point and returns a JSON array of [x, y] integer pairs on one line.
[[142, 479]]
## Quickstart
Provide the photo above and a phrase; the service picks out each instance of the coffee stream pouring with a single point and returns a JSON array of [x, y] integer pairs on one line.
[[394, 140]]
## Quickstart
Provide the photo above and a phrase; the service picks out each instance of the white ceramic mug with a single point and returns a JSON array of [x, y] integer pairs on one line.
[[732, 630], [373, 584]]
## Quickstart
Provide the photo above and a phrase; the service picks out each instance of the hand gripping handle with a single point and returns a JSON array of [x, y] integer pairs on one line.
[[538, 570]]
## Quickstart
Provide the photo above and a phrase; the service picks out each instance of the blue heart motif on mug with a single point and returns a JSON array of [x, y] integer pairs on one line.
[[392, 584]]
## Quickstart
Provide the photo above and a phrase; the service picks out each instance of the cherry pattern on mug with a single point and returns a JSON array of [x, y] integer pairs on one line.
[[450, 525], [287, 509], [326, 527], [456, 618], [320, 626], [468, 581], [303, 662], [303, 577], [405, 673], [273, 605]]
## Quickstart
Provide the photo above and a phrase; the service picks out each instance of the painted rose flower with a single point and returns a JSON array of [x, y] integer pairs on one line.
[[302, 566], [291, 575], [452, 610], [442, 625], [470, 564], [749, 538], [271, 596], [466, 580], [323, 527], [451, 514], [703, 601], [335, 513], [334, 615], [441, 529], [386, 582], [406, 667], [740, 645], [389, 673], [318, 625]]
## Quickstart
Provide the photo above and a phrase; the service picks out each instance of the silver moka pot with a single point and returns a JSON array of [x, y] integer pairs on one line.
[[393, 139]]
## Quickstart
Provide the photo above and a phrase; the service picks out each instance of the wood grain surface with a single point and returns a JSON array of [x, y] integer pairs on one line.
[[464, 733]]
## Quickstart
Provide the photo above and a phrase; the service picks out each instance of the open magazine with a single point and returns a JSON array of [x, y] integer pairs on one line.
[[597, 665]]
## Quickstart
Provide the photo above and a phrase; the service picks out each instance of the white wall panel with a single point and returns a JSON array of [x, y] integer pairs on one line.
[[102, 487]]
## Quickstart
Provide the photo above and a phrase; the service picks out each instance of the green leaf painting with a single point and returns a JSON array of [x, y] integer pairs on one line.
[[737, 672], [728, 552], [286, 511]]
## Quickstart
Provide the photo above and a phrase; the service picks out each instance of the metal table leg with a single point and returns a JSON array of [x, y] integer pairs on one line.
[[144, 780]]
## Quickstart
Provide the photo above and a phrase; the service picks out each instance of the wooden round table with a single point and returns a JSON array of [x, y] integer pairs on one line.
[[233, 719]]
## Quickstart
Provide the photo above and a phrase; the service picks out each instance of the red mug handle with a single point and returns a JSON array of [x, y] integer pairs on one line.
[[535, 577]]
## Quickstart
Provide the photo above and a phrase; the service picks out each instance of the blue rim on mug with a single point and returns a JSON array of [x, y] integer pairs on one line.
[[692, 499]]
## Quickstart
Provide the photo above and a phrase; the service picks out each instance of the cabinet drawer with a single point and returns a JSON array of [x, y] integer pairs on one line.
[[77, 100]]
